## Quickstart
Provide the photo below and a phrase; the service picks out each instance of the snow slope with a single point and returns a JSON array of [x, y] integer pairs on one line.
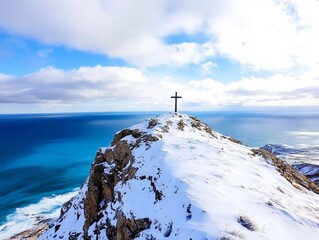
[[191, 183], [304, 159]]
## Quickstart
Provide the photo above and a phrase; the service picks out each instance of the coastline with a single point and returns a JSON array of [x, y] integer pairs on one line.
[[32, 233], [93, 131]]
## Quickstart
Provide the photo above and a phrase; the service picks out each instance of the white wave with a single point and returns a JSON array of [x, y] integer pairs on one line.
[[25, 218], [303, 133]]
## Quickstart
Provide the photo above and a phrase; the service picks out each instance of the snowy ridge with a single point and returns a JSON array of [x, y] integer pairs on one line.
[[304, 159], [184, 181]]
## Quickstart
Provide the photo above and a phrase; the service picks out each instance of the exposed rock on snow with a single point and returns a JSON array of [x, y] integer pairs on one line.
[[287, 171], [233, 140], [305, 160], [173, 177]]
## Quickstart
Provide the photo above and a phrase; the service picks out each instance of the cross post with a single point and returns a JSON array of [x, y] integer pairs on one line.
[[176, 100]]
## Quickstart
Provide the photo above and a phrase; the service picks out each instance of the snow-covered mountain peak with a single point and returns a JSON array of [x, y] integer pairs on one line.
[[172, 177]]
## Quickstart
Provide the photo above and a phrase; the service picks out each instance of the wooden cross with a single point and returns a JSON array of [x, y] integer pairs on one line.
[[176, 100]]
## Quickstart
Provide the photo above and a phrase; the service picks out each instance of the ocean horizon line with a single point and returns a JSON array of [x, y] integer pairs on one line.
[[243, 112]]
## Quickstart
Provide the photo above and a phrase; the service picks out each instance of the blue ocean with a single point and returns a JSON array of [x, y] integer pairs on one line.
[[46, 157]]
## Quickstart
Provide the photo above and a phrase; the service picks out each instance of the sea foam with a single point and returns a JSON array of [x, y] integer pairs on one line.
[[26, 217]]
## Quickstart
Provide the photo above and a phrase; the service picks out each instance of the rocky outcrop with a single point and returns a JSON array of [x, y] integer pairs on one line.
[[173, 177], [233, 140], [33, 233], [94, 193], [109, 168], [129, 228], [201, 127], [305, 159], [287, 171], [126, 132]]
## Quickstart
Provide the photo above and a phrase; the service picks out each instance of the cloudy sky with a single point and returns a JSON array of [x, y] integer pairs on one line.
[[124, 55]]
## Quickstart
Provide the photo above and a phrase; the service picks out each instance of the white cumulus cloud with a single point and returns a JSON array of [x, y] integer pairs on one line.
[[279, 37], [264, 35], [122, 88]]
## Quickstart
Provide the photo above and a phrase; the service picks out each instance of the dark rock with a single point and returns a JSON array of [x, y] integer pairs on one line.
[[189, 212], [57, 227], [235, 140], [165, 129], [196, 124], [74, 235], [65, 207], [209, 131], [202, 127], [158, 194], [122, 155], [93, 196], [152, 123], [101, 186], [108, 156], [246, 223], [168, 230], [126, 132], [108, 183], [193, 118], [181, 125], [110, 230], [129, 228], [150, 138]]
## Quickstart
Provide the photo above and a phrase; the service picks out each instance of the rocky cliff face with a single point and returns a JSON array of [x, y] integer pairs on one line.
[[173, 177]]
